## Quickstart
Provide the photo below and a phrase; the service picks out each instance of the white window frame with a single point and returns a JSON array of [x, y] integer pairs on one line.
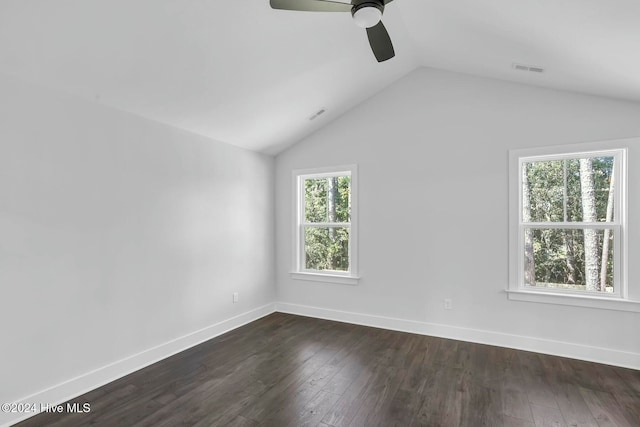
[[516, 288], [299, 271]]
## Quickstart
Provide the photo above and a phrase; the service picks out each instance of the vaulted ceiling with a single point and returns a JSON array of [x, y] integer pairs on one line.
[[242, 73]]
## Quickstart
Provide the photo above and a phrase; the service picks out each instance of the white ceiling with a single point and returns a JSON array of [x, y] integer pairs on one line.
[[244, 74]]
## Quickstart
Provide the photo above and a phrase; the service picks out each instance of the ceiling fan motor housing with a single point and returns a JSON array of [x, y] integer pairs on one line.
[[367, 14]]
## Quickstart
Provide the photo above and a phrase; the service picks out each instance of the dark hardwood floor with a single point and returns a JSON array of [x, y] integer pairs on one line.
[[286, 370]]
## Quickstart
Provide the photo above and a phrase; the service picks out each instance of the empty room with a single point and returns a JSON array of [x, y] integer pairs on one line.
[[320, 213]]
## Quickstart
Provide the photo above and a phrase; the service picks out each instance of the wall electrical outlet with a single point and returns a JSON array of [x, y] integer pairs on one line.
[[448, 304], [235, 297]]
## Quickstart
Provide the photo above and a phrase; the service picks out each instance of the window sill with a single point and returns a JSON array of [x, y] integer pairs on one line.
[[575, 300], [326, 278]]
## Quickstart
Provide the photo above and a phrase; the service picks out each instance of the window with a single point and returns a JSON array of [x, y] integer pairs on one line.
[[567, 225], [326, 232]]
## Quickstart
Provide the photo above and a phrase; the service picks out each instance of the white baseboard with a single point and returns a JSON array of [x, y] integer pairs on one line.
[[91, 380], [538, 345]]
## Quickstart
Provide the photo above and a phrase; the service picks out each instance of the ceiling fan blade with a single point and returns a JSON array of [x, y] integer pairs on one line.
[[380, 42], [311, 5]]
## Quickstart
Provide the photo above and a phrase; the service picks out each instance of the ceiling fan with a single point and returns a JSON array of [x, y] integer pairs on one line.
[[366, 14]]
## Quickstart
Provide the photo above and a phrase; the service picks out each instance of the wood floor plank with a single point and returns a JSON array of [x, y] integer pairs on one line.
[[573, 407], [516, 422], [631, 378], [482, 407], [286, 370], [606, 410], [292, 404], [631, 405], [546, 416], [288, 390], [241, 421], [403, 408], [443, 397], [314, 411], [214, 394], [341, 381], [377, 401], [406, 403], [347, 407], [535, 377], [515, 404]]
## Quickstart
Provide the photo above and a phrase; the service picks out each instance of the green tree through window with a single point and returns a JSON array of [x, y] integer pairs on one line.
[[326, 227], [326, 232], [565, 204]]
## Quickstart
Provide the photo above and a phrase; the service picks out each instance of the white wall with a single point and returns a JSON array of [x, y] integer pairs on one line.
[[432, 153], [118, 234]]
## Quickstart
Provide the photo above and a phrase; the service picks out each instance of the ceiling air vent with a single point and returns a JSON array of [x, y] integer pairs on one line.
[[530, 68], [318, 113]]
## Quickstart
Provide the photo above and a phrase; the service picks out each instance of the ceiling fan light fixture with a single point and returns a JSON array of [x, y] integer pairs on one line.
[[367, 15]]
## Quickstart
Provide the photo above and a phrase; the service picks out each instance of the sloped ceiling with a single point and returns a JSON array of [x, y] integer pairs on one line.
[[241, 73]]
